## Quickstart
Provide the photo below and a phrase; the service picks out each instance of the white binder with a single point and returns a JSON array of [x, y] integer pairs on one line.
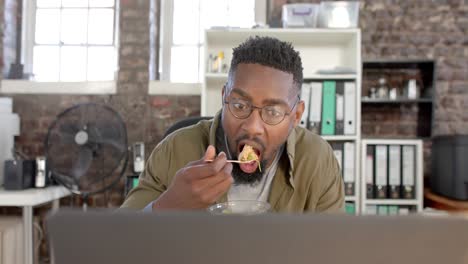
[[339, 157], [349, 149], [408, 171], [348, 168], [394, 170], [381, 171], [305, 96], [350, 108], [315, 114]]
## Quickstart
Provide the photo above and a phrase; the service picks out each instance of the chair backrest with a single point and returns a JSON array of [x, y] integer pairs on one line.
[[185, 123]]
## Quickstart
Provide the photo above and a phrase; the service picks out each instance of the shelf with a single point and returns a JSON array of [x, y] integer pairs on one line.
[[299, 36], [391, 141], [391, 201], [312, 77], [397, 101], [306, 78], [350, 199], [220, 76], [340, 137]]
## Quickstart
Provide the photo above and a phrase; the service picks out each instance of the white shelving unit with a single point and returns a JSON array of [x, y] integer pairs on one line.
[[320, 49], [417, 202]]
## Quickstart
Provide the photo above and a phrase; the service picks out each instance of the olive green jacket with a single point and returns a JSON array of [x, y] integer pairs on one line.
[[307, 179]]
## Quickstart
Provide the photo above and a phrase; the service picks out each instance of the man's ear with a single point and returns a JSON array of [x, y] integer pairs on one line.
[[223, 91], [298, 113]]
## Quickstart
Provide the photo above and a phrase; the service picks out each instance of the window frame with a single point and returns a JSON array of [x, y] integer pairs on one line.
[[166, 30], [28, 39]]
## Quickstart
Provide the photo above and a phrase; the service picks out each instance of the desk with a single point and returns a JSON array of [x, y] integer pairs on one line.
[[440, 202], [28, 199]]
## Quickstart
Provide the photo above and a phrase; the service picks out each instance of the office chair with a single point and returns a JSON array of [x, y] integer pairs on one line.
[[185, 123]]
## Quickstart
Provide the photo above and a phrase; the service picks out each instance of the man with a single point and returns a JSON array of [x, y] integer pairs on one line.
[[189, 169]]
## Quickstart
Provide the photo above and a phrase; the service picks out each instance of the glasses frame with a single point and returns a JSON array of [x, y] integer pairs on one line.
[[260, 109]]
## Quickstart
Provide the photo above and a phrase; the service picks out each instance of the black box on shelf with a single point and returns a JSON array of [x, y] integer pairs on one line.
[[449, 166]]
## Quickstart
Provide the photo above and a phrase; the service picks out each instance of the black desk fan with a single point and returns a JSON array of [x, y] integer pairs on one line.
[[85, 146]]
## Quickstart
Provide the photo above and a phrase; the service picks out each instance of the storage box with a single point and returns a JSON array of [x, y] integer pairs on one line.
[[339, 14], [300, 15]]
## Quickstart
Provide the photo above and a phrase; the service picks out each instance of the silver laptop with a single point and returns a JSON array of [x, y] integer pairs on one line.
[[127, 237]]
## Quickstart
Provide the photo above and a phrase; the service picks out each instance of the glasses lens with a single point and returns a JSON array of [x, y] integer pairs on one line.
[[239, 108], [273, 115]]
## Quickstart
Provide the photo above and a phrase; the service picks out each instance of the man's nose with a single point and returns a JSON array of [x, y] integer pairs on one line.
[[254, 124]]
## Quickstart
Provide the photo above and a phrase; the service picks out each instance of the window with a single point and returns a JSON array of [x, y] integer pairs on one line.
[[182, 27], [70, 40]]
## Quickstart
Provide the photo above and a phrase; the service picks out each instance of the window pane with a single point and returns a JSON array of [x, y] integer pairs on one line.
[[101, 3], [185, 24], [241, 13], [74, 26], [73, 63], [75, 3], [214, 13], [48, 3], [46, 63], [101, 26], [184, 64], [101, 63], [47, 26]]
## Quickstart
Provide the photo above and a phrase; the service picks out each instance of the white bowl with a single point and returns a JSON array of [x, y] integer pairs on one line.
[[247, 207]]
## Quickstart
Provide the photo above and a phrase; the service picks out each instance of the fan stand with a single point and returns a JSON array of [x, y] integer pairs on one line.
[[85, 197]]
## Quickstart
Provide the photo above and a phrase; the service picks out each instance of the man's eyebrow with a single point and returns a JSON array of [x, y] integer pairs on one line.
[[274, 102], [241, 93], [265, 102]]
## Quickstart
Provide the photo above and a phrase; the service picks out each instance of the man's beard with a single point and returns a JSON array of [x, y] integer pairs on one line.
[[240, 177]]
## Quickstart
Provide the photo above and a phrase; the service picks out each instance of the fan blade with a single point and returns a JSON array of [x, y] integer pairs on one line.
[[85, 158], [68, 133], [104, 136]]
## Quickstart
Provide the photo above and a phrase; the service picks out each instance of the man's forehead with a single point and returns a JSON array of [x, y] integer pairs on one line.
[[259, 76]]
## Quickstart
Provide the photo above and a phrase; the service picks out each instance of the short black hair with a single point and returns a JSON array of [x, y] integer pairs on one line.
[[269, 52]]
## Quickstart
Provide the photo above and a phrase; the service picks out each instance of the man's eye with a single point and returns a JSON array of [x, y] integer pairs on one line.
[[273, 112], [240, 106]]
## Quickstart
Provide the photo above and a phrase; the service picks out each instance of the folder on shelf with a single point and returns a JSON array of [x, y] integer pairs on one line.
[[370, 152], [381, 182], [393, 210], [403, 210], [315, 113], [348, 167], [328, 110], [305, 96], [371, 209], [394, 171], [339, 113], [350, 108], [382, 209], [408, 171], [350, 208], [338, 152]]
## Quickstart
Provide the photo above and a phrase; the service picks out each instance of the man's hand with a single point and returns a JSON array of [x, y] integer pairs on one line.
[[199, 184]]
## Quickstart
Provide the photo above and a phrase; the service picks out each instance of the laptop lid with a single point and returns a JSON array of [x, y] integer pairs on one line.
[[129, 237]]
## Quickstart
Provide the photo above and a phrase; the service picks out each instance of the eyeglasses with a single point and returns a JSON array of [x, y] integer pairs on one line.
[[270, 114]]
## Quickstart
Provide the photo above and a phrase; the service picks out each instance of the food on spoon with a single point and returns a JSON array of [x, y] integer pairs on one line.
[[248, 154]]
